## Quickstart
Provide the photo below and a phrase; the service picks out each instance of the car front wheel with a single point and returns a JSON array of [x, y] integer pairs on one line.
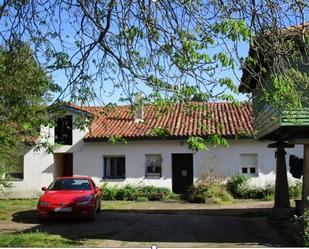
[[99, 207]]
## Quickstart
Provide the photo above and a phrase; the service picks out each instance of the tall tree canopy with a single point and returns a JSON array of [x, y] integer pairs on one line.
[[164, 48], [174, 50], [26, 91]]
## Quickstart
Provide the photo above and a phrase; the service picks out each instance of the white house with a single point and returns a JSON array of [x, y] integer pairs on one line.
[[156, 152]]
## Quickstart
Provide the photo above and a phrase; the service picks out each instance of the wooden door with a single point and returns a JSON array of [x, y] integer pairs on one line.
[[182, 172], [67, 169]]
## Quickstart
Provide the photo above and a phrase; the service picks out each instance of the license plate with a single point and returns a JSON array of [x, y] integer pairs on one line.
[[66, 209]]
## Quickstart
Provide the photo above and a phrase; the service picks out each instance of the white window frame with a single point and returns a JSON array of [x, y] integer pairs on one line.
[[147, 174], [106, 157], [256, 174]]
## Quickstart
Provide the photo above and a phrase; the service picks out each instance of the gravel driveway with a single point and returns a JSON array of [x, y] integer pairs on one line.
[[170, 227]]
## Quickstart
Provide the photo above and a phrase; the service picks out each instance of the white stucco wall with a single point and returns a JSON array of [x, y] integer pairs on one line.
[[223, 161], [39, 167], [88, 160]]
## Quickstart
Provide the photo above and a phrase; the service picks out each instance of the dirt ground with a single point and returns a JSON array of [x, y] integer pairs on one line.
[[166, 224]]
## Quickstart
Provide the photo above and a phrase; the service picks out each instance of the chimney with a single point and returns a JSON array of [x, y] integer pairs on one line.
[[139, 108]]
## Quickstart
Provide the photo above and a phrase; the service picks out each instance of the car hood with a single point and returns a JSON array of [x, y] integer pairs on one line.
[[65, 196]]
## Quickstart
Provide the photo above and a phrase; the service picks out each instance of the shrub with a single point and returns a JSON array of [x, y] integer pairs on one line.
[[261, 192], [303, 224], [131, 192], [141, 199], [127, 193], [150, 189], [208, 186], [173, 196], [269, 197], [295, 190], [109, 192], [238, 186]]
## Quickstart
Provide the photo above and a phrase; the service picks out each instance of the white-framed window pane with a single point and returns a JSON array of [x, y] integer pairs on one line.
[[244, 170], [153, 165], [17, 172], [249, 164], [114, 167]]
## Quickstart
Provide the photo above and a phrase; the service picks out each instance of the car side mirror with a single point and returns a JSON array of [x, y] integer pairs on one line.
[[44, 188], [97, 190]]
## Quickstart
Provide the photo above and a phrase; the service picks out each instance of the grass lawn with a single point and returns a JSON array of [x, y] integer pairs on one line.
[[29, 239], [36, 239], [9, 207]]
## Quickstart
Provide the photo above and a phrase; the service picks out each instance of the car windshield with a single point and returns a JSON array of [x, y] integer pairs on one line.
[[70, 184]]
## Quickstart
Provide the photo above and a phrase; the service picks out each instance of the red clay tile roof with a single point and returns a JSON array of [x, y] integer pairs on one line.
[[180, 120]]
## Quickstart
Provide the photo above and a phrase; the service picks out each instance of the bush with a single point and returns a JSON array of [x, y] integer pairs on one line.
[[303, 224], [208, 186], [296, 190], [141, 199], [109, 192], [239, 187], [132, 192], [127, 193], [173, 196]]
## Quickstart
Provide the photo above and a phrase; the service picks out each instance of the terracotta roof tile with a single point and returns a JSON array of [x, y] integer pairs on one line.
[[181, 120]]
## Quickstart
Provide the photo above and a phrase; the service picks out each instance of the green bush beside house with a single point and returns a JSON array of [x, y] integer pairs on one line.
[[240, 188], [131, 192], [207, 188]]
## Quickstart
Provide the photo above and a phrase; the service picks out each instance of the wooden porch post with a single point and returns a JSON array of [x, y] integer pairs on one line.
[[282, 198], [305, 193]]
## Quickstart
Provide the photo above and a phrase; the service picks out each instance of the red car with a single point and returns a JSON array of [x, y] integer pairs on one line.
[[75, 196]]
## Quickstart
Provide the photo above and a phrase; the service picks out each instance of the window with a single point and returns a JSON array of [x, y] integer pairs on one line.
[[17, 171], [70, 184], [153, 165], [249, 164], [114, 167], [252, 170], [93, 184], [63, 130], [244, 170]]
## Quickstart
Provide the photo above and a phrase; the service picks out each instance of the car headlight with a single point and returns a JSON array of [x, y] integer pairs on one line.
[[82, 203], [44, 203], [85, 201]]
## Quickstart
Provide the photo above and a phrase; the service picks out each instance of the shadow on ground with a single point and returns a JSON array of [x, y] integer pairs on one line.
[[241, 226], [29, 216]]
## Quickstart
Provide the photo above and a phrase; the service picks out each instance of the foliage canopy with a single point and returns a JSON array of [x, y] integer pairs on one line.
[[26, 91], [169, 50]]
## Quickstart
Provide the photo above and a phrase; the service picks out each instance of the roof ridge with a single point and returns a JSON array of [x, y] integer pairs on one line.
[[152, 104]]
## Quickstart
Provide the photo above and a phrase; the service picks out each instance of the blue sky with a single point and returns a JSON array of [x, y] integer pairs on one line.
[[107, 94], [112, 95], [106, 91]]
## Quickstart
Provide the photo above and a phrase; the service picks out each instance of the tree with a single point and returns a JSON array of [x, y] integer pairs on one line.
[[26, 91], [164, 48]]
